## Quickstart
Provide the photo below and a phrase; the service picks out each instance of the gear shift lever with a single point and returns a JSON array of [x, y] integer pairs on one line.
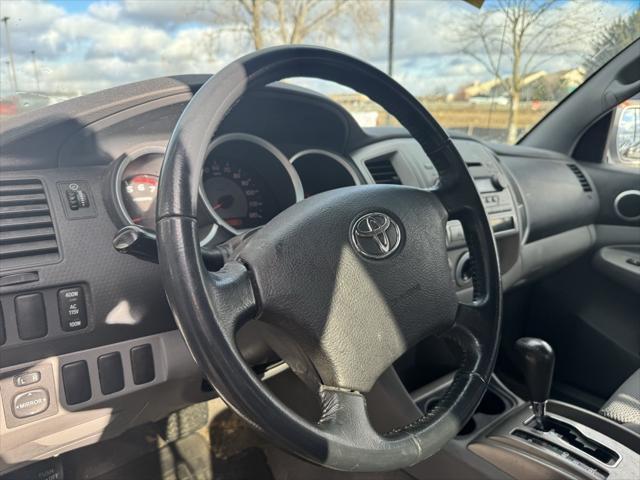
[[537, 359]]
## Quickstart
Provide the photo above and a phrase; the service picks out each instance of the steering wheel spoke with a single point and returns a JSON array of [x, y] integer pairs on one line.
[[232, 296]]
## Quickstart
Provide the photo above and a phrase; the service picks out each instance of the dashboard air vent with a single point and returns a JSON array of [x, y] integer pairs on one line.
[[382, 171], [26, 227], [584, 183]]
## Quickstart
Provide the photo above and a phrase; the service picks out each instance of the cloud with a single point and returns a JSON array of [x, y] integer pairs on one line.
[[30, 16], [111, 43], [128, 42], [109, 11], [165, 14]]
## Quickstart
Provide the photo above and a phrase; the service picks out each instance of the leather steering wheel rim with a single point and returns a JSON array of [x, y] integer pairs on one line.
[[210, 306]]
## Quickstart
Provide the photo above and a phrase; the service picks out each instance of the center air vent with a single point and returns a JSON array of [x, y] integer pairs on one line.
[[584, 183], [382, 171], [27, 235]]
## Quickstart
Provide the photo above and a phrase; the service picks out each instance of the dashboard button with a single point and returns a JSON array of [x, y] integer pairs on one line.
[[142, 364], [26, 378], [30, 316], [28, 404], [111, 373], [72, 308], [77, 385]]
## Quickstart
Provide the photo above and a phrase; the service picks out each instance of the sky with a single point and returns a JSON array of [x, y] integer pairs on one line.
[[83, 46]]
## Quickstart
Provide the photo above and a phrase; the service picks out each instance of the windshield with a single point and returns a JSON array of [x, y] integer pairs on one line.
[[492, 72]]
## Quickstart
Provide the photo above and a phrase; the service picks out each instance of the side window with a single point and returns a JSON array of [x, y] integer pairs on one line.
[[624, 136]]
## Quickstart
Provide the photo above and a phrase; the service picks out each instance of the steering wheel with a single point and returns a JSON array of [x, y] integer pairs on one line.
[[345, 281]]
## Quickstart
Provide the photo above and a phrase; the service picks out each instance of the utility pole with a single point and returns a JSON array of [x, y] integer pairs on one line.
[[8, 40], [35, 70], [392, 8]]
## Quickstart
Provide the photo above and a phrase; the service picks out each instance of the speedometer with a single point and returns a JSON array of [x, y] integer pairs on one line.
[[246, 181], [238, 195]]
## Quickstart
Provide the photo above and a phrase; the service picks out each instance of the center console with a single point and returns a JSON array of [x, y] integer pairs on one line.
[[540, 440], [500, 200], [574, 443]]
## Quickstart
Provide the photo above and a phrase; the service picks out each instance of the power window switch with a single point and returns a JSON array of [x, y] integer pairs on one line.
[[72, 308], [634, 261], [28, 404]]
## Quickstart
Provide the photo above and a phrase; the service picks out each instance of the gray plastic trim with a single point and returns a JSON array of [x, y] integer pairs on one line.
[[177, 383], [405, 155], [522, 459], [616, 235], [612, 262], [333, 156]]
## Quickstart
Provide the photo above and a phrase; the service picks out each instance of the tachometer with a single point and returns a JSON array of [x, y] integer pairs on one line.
[[135, 188], [139, 194]]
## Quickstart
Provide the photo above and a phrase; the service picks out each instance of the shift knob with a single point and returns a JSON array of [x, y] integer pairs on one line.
[[537, 361]]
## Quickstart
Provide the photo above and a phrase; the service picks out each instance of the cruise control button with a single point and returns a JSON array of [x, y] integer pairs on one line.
[[26, 378], [28, 404], [72, 308]]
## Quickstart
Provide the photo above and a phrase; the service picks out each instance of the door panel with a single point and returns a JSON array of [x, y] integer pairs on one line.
[[592, 323], [611, 181]]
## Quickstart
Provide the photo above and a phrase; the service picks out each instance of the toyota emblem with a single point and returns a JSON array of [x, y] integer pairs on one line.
[[375, 235]]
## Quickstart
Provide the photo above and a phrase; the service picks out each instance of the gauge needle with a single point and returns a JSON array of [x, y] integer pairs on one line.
[[223, 202]]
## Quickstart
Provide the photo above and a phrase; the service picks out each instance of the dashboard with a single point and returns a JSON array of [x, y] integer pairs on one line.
[[94, 326]]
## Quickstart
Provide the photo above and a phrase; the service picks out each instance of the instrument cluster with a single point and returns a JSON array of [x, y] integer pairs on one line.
[[246, 181]]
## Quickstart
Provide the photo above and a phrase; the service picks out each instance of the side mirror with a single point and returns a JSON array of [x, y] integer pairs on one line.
[[628, 135]]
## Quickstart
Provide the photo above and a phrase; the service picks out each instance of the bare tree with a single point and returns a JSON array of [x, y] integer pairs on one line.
[[515, 38], [622, 32], [269, 22]]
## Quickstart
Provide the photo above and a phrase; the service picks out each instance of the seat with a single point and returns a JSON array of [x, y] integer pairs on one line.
[[624, 405]]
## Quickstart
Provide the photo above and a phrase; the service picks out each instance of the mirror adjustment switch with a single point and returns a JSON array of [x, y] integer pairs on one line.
[[26, 378], [77, 385], [111, 373], [72, 308], [28, 404], [30, 316], [142, 364]]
